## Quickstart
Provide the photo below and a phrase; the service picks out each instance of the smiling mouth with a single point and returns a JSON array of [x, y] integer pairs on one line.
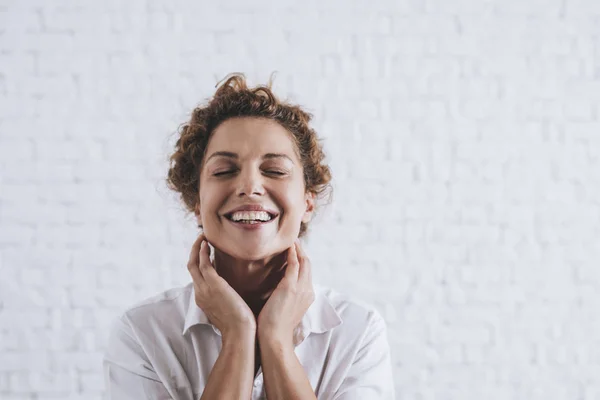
[[271, 217], [253, 222]]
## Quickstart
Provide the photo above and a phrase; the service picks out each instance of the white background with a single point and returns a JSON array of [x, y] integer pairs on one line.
[[464, 139]]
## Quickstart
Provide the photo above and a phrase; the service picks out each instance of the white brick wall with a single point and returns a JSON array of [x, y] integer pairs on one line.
[[464, 138]]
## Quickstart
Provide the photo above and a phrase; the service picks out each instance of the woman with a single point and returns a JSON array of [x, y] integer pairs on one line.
[[251, 324]]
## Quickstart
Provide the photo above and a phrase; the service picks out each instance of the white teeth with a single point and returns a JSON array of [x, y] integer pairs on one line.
[[251, 216]]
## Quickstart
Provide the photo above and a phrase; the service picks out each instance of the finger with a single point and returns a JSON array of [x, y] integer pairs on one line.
[[304, 269], [291, 272], [207, 269], [194, 260], [196, 248], [204, 263], [301, 253]]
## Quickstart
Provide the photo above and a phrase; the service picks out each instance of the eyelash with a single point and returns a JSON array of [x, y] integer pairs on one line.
[[278, 173]]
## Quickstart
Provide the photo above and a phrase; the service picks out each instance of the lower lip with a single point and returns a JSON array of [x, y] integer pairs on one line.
[[250, 227]]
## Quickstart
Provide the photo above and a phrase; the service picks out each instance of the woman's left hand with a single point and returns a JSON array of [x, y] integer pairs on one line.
[[289, 301]]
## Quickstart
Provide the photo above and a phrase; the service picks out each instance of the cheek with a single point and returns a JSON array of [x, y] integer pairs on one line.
[[210, 199], [293, 209], [210, 217]]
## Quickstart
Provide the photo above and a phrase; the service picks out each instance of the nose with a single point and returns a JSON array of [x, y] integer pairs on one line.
[[250, 183]]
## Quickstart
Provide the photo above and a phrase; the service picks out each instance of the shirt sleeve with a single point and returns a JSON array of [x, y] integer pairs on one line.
[[128, 374], [370, 375]]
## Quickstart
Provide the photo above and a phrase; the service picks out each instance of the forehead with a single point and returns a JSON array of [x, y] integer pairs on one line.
[[251, 137]]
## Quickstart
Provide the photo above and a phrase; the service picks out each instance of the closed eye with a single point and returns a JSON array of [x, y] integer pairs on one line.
[[232, 171], [223, 173]]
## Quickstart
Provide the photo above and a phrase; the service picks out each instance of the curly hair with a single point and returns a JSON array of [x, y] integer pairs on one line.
[[235, 99]]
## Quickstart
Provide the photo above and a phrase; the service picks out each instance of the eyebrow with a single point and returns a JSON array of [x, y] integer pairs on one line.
[[229, 154]]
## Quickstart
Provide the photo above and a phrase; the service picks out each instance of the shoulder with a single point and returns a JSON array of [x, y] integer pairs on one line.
[[359, 357], [167, 299], [144, 339], [167, 308]]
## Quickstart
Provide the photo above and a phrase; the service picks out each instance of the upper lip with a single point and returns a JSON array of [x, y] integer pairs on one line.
[[252, 207]]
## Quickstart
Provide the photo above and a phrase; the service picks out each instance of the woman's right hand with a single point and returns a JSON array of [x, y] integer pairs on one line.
[[224, 307]]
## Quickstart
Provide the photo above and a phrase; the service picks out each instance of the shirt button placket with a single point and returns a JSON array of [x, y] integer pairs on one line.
[[258, 392]]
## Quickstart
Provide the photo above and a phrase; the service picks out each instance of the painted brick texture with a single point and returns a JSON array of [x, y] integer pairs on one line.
[[464, 140]]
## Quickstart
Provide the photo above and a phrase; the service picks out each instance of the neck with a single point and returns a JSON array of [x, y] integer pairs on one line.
[[254, 280]]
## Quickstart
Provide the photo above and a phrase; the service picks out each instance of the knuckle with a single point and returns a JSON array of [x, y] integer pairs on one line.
[[191, 265]]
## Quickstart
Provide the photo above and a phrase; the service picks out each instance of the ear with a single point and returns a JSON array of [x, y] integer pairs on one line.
[[309, 200], [198, 214]]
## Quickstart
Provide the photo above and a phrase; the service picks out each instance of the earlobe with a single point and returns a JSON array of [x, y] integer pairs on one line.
[[307, 217], [198, 215], [310, 202], [310, 208]]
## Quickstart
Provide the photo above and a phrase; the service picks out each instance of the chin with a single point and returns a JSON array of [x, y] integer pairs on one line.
[[253, 255], [257, 253]]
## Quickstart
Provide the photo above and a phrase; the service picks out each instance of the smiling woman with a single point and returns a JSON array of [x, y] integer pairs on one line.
[[251, 165], [251, 323], [238, 112]]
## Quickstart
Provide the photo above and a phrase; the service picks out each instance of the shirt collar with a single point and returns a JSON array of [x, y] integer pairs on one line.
[[320, 317], [195, 315]]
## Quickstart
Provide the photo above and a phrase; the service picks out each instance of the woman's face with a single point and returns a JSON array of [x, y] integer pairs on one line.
[[252, 161]]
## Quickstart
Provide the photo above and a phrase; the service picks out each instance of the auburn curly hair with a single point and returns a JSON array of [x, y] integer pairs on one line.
[[235, 99]]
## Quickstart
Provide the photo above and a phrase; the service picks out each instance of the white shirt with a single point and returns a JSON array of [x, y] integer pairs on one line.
[[165, 348]]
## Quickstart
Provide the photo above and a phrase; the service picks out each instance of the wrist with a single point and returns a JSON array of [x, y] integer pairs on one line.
[[274, 348], [240, 335], [240, 328], [272, 338]]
